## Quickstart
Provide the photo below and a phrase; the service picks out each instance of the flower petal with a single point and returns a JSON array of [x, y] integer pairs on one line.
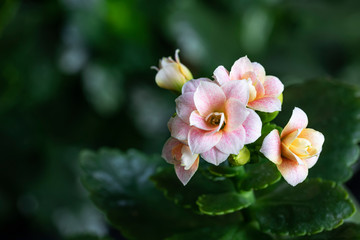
[[310, 162], [290, 138], [252, 126], [187, 158], [273, 86], [271, 147], [192, 85], [214, 156], [292, 172], [257, 84], [240, 67], [300, 147], [232, 142], [238, 90], [315, 137], [185, 106], [179, 129], [221, 75], [288, 154], [297, 120], [236, 113], [167, 151], [201, 141], [199, 122], [259, 71], [209, 97], [185, 175], [266, 104], [170, 77]]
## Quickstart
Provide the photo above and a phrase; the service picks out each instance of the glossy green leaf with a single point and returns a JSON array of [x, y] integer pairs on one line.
[[258, 176], [119, 185], [226, 171], [220, 204], [308, 208], [231, 232], [347, 231], [167, 181], [333, 108]]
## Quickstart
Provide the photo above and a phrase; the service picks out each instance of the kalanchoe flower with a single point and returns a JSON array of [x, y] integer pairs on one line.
[[264, 90], [179, 154], [296, 150], [214, 120], [172, 75]]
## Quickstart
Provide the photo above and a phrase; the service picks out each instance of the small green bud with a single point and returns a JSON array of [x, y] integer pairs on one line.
[[240, 159]]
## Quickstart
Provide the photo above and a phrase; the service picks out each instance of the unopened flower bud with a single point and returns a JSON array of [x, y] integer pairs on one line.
[[240, 159], [172, 75]]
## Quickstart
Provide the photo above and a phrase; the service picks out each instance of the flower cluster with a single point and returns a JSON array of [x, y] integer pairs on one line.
[[217, 118]]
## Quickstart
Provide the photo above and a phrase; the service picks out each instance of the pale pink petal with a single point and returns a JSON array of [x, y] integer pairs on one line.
[[232, 142], [185, 106], [290, 138], [187, 158], [221, 75], [179, 129], [259, 87], [167, 151], [192, 85], [266, 104], [169, 124], [297, 120], [259, 71], [199, 122], [240, 67], [316, 138], [273, 86], [287, 153], [214, 156], [185, 175], [271, 147], [252, 126], [238, 90], [201, 141], [310, 162], [209, 97], [292, 172], [236, 113]]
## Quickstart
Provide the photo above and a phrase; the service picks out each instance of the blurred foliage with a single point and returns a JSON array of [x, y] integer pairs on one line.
[[76, 74]]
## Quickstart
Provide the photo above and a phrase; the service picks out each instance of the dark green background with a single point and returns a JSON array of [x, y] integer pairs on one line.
[[76, 74]]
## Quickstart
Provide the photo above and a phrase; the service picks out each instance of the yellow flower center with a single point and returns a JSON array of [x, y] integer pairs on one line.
[[216, 119]]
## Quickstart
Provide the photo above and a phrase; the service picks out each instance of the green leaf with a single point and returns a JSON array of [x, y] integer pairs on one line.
[[119, 185], [259, 175], [267, 117], [308, 208], [187, 196], [333, 108], [231, 232], [226, 171], [220, 204], [347, 231]]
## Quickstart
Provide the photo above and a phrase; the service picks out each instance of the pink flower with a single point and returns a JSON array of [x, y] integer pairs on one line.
[[179, 154], [264, 90], [213, 120], [296, 150]]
